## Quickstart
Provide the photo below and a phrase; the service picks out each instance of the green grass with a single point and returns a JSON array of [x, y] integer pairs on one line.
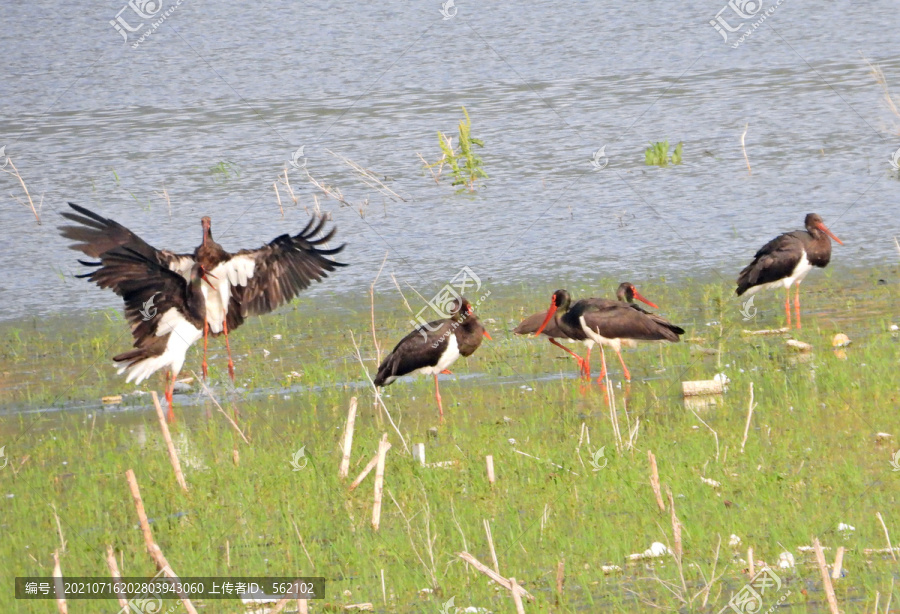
[[811, 459]]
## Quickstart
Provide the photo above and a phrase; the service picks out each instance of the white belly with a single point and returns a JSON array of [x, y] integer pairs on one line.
[[796, 277], [596, 337], [450, 355]]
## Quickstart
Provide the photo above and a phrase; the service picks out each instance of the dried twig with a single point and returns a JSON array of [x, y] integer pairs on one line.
[[173, 454], [750, 408], [58, 583], [886, 534], [715, 434], [348, 440], [654, 481], [490, 573], [278, 196], [115, 574], [826, 579], [15, 173], [368, 177], [219, 407], [383, 447], [744, 149], [429, 540], [372, 307], [377, 395], [62, 540]]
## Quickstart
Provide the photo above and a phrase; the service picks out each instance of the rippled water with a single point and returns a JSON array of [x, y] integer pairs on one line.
[[88, 119]]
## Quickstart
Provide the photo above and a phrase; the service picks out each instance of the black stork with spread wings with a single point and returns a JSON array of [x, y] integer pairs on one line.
[[608, 323], [626, 293], [432, 348], [163, 332], [786, 260], [247, 282]]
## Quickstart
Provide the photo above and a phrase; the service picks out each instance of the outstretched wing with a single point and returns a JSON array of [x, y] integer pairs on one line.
[[139, 279], [275, 273], [95, 235]]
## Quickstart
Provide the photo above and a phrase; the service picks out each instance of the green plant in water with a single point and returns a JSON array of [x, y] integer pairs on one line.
[[224, 170], [658, 154], [463, 162]]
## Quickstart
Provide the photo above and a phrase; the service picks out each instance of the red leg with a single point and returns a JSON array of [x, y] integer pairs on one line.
[[437, 395], [576, 356], [624, 368], [787, 305], [205, 341], [587, 366], [170, 389], [228, 347], [797, 305]]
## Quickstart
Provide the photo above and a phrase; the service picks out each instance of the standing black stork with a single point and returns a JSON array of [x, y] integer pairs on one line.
[[786, 260], [431, 349], [608, 323], [626, 292], [162, 339], [248, 282]]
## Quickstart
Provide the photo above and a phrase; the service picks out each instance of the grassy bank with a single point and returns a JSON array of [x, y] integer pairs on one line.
[[811, 458]]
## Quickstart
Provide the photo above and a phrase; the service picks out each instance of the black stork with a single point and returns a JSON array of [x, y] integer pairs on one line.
[[608, 323], [626, 292], [161, 340], [248, 282], [431, 349], [786, 260]]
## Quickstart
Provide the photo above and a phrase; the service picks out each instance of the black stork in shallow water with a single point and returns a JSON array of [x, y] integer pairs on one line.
[[626, 292], [163, 334], [608, 323], [786, 260], [247, 282], [432, 348]]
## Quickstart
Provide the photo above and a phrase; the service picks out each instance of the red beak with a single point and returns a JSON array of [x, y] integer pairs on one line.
[[638, 296], [206, 277], [824, 229], [486, 334], [550, 312]]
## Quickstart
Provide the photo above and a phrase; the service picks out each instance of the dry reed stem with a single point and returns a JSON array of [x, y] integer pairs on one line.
[[377, 396], [838, 563], [115, 574], [369, 178], [383, 447], [560, 577], [303, 545], [348, 440], [372, 308], [62, 540], [826, 579], [750, 563], [278, 196], [886, 534], [654, 481], [490, 573], [882, 81], [58, 585], [489, 461], [744, 149], [173, 454], [154, 550], [715, 434], [15, 173], [222, 411], [517, 598], [368, 469], [676, 525], [750, 407], [490, 538]]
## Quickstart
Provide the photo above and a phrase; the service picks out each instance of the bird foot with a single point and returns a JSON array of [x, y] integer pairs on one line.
[[446, 372]]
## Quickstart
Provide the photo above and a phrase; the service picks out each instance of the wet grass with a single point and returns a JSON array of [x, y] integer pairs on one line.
[[811, 459]]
